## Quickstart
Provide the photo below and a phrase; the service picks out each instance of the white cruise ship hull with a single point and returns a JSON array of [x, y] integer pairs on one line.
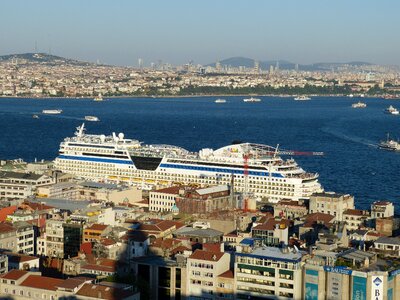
[[118, 162]]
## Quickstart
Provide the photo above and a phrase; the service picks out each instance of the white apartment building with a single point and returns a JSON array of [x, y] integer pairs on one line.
[[15, 185], [268, 272], [331, 203], [382, 209], [203, 269], [163, 199]]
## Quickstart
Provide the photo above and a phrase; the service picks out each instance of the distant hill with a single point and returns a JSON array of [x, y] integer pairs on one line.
[[43, 58], [283, 64]]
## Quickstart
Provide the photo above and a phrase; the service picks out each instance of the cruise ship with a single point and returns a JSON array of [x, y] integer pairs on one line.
[[116, 158]]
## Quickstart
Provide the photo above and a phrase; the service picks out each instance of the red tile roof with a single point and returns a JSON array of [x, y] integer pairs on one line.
[[271, 223], [318, 218], [6, 227], [86, 247], [42, 282], [384, 203], [103, 292], [206, 255], [165, 243], [227, 274], [6, 211], [98, 227], [354, 212], [170, 190], [19, 258], [14, 274], [213, 247]]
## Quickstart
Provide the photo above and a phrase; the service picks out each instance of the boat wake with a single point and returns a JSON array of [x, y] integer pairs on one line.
[[354, 139]]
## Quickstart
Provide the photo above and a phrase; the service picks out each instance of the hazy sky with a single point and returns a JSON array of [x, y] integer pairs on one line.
[[176, 31]]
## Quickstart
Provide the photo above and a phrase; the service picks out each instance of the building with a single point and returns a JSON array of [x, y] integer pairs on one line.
[[54, 238], [22, 262], [352, 274], [26, 237], [355, 218], [8, 237], [388, 245], [94, 214], [163, 199], [91, 191], [289, 209], [23, 285], [3, 263], [273, 232], [331, 203], [72, 238], [268, 272], [15, 185], [94, 232], [382, 209], [167, 279], [206, 200], [203, 269]]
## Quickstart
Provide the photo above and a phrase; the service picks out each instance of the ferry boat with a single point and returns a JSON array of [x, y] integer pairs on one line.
[[251, 99], [220, 101], [391, 110], [302, 98], [359, 104], [116, 158], [92, 118], [52, 111], [98, 98], [390, 144]]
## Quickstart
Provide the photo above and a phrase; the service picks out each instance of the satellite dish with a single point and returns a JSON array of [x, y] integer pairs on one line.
[[121, 136], [102, 138]]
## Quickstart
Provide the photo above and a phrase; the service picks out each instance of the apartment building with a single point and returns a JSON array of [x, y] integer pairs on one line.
[[268, 272], [382, 209], [15, 185], [203, 269], [355, 218], [25, 237], [331, 203], [8, 237]]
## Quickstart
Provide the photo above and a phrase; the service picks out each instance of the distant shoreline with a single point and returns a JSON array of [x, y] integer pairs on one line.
[[186, 96]]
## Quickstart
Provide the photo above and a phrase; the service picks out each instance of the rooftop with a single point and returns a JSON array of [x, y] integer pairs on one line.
[[274, 253], [206, 255], [42, 282]]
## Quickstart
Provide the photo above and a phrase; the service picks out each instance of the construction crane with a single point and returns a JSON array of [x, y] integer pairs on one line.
[[246, 182]]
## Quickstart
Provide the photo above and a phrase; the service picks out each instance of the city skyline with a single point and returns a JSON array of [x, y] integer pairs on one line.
[[177, 33]]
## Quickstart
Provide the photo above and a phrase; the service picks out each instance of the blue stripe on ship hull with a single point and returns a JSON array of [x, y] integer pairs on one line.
[[96, 159], [219, 170]]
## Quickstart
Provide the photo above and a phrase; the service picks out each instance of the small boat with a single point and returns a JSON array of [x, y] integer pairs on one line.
[[302, 98], [220, 101], [92, 118], [251, 99], [98, 98], [359, 104], [391, 110], [52, 111], [390, 144], [35, 116], [351, 96]]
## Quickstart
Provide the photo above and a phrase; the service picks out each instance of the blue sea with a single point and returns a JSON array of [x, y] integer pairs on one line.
[[352, 162]]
